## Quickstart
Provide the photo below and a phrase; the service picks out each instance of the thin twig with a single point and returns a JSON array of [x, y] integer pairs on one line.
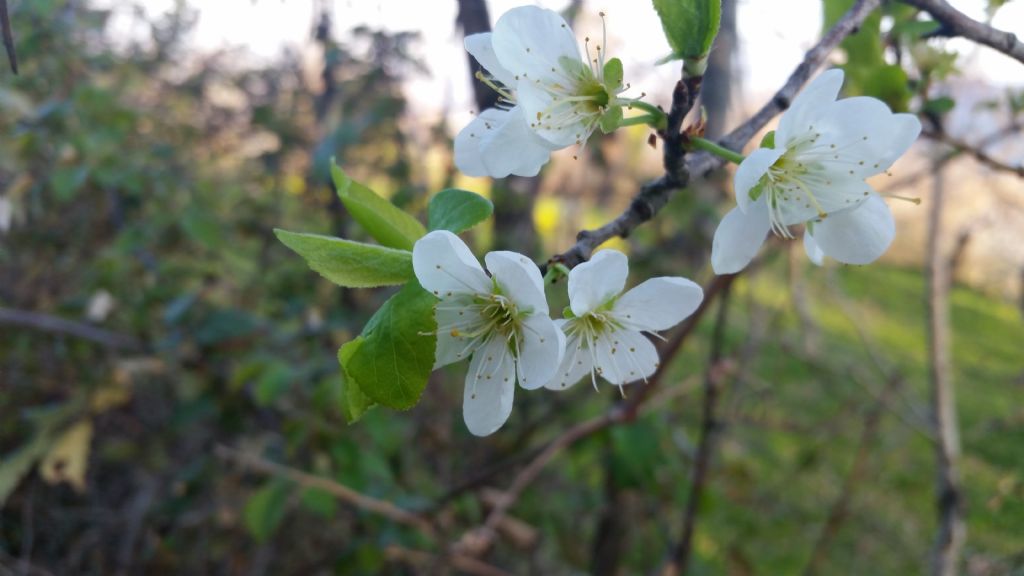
[[460, 562], [708, 433], [55, 324], [8, 33], [956, 23], [654, 195], [960, 146], [840, 509], [340, 491]]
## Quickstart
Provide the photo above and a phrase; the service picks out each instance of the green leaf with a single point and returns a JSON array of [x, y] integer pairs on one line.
[[397, 353], [272, 383], [355, 401], [383, 220], [939, 105], [319, 502], [690, 26], [768, 141], [457, 210], [67, 180], [202, 226], [635, 454], [265, 509], [350, 264], [610, 119], [613, 74]]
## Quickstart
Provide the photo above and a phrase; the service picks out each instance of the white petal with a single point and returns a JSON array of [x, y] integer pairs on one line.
[[867, 136], [454, 316], [813, 250], [577, 362], [480, 47], [444, 265], [658, 303], [469, 141], [750, 172], [857, 236], [490, 387], [808, 105], [593, 283], [513, 148], [519, 279], [625, 356], [832, 193], [542, 349], [739, 237], [529, 41]]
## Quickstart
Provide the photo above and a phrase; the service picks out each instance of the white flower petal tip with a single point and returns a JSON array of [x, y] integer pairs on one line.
[[824, 150], [605, 335], [554, 97], [499, 322], [814, 252]]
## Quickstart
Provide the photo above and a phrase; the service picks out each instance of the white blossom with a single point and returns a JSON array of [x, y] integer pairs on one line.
[[499, 321], [550, 98], [604, 336], [823, 151]]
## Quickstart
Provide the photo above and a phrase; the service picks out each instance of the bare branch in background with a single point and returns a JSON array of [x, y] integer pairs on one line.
[[57, 325], [709, 424], [956, 23], [978, 152], [952, 532], [5, 23]]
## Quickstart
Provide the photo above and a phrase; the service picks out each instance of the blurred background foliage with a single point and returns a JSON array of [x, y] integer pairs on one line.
[[143, 186]]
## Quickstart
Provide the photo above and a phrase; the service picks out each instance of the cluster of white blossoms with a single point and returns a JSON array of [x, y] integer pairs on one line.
[[500, 322], [550, 98], [814, 175]]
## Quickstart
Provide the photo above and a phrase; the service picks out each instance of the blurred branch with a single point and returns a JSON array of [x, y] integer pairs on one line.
[[841, 507], [55, 324], [340, 491], [956, 23], [654, 195], [978, 152], [5, 23], [952, 531], [713, 379], [477, 541], [423, 559]]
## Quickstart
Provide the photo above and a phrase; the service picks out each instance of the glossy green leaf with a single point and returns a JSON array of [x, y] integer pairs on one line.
[[457, 210], [396, 355], [355, 402], [690, 26], [383, 220], [350, 264]]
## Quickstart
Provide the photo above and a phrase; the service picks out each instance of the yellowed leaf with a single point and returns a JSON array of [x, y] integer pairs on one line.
[[68, 459]]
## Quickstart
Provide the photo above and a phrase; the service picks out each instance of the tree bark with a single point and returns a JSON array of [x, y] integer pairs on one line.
[[952, 532]]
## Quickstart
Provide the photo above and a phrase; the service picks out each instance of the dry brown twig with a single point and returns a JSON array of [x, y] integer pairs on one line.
[[956, 23]]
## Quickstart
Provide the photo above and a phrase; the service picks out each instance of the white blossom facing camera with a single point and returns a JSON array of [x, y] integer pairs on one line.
[[814, 174], [550, 98], [500, 321], [604, 336]]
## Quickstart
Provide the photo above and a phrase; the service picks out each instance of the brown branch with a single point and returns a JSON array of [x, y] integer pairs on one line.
[[956, 23], [340, 491], [978, 152], [428, 561], [8, 33], [654, 195], [708, 433], [840, 509], [55, 324]]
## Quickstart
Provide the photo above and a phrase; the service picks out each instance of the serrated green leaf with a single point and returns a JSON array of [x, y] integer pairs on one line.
[[457, 210], [690, 26], [350, 264], [610, 119], [397, 353], [265, 509], [383, 220], [613, 74], [355, 402]]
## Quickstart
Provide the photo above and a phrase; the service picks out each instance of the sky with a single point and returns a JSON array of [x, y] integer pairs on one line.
[[772, 40]]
